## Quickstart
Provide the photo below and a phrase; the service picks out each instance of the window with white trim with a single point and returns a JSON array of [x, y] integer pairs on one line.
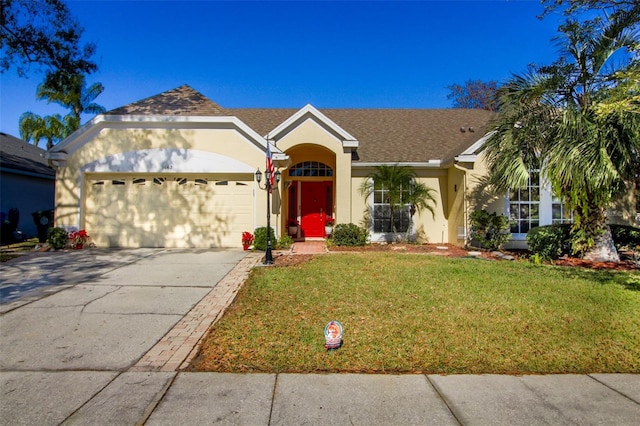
[[382, 212], [536, 205], [524, 206]]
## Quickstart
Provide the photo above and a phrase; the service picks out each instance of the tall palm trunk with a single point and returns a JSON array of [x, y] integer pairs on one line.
[[592, 238]]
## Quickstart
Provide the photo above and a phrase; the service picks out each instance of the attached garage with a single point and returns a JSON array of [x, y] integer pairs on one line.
[[173, 170], [168, 210]]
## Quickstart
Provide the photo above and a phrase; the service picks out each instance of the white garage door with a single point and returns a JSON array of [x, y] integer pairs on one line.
[[168, 211]]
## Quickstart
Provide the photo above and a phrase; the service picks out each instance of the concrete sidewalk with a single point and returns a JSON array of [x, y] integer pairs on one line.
[[99, 337]]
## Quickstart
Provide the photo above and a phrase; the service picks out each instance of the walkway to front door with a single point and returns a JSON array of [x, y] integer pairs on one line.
[[309, 247]]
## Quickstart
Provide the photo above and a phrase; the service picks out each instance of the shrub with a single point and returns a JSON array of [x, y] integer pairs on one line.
[[260, 238], [625, 236], [284, 242], [57, 238], [349, 234], [549, 242], [490, 230]]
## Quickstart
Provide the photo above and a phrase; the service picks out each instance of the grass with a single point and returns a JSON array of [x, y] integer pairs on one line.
[[429, 314], [11, 251]]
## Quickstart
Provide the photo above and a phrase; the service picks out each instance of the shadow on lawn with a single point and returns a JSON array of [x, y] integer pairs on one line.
[[628, 280]]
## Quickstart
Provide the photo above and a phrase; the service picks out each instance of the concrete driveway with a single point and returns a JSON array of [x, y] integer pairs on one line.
[[72, 322]]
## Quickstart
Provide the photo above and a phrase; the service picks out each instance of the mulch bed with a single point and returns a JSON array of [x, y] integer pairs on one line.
[[623, 265], [286, 259]]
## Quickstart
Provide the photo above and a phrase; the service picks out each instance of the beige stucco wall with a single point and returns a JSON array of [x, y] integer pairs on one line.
[[623, 211], [71, 188], [432, 229], [456, 180], [435, 229], [359, 206], [468, 192], [311, 141], [478, 195]]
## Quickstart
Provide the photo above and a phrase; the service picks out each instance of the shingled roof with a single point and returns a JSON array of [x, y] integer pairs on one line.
[[384, 135], [18, 156], [391, 135], [183, 100]]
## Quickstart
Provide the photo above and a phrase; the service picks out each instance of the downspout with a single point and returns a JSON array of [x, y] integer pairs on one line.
[[465, 212]]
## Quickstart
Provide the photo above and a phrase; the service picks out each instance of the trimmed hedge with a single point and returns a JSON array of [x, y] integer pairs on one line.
[[57, 238], [489, 230], [260, 239], [553, 241], [349, 234], [625, 236], [550, 242]]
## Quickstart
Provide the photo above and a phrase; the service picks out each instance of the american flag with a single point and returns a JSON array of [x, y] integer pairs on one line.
[[270, 171]]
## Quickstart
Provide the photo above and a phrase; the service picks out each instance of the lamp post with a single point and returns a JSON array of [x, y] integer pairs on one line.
[[268, 257]]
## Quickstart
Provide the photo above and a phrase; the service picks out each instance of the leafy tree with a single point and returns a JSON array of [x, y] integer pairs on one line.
[[615, 9], [401, 189], [42, 32], [474, 94], [555, 118]]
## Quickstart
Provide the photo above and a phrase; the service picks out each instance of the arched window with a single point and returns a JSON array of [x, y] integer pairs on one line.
[[310, 168]]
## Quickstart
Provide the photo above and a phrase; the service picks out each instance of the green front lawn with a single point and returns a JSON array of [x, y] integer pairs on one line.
[[429, 314]]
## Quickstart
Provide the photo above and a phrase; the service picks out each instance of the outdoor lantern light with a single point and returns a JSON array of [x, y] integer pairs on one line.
[[268, 257]]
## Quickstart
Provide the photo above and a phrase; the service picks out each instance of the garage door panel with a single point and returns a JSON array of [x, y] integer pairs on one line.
[[168, 212]]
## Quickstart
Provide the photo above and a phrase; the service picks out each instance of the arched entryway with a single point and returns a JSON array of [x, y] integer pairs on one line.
[[310, 198]]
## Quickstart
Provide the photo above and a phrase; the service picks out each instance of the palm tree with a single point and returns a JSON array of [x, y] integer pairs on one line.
[[73, 94], [400, 189], [53, 128], [551, 119], [419, 197], [69, 91]]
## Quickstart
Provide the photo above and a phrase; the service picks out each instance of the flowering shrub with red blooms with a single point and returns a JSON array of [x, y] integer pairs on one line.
[[247, 238], [329, 221], [78, 238]]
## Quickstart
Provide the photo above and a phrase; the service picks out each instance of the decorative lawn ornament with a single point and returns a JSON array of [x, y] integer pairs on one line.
[[333, 335]]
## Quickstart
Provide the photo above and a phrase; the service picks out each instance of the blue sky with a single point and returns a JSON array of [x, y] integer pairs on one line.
[[330, 54]]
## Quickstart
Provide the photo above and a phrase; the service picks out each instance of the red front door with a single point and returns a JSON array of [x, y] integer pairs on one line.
[[316, 203]]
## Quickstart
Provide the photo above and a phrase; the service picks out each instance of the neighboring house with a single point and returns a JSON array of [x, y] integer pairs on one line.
[[26, 181], [177, 170]]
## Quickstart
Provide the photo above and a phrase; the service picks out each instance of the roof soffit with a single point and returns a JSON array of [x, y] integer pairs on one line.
[[470, 155]]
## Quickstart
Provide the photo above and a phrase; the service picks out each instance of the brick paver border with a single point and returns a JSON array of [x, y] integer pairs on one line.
[[179, 346]]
